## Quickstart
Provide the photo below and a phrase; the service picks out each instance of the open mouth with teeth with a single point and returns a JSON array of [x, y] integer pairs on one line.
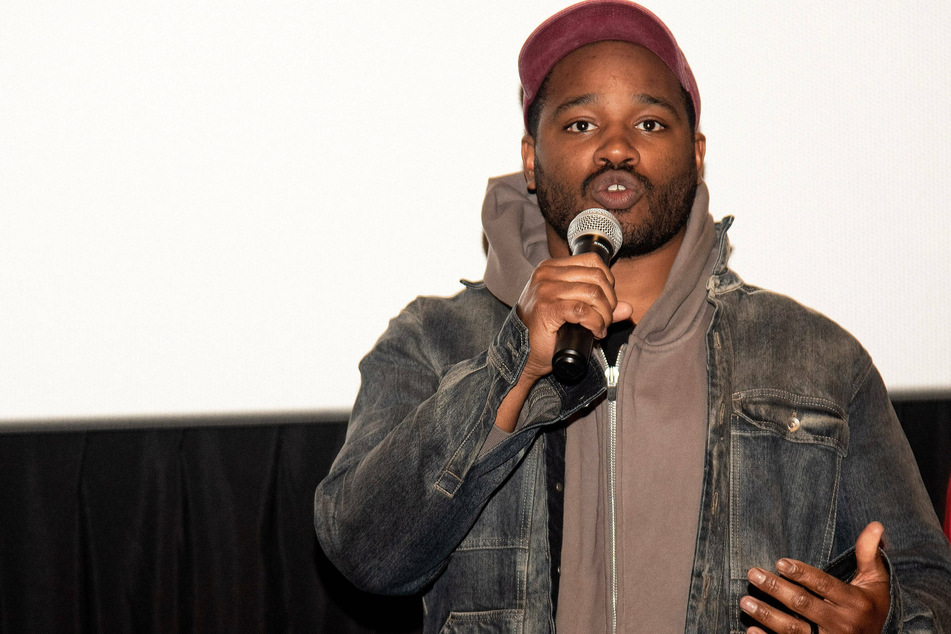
[[616, 190]]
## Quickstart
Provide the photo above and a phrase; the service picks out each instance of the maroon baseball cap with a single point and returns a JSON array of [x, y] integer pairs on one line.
[[597, 21]]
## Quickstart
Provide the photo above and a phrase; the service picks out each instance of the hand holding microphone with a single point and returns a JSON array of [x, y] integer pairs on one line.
[[563, 303], [568, 299], [592, 231]]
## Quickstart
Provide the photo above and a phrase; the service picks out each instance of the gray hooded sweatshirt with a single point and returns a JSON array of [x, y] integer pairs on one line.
[[630, 519]]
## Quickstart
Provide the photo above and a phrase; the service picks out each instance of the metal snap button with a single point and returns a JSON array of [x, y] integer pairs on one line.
[[793, 424]]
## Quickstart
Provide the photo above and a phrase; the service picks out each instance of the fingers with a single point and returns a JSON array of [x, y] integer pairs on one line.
[[580, 290], [559, 293], [773, 619], [583, 276], [797, 598]]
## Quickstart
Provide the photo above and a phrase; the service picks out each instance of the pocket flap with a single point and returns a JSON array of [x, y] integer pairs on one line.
[[794, 417]]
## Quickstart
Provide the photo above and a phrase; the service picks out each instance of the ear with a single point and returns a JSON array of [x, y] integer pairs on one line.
[[699, 150], [528, 161]]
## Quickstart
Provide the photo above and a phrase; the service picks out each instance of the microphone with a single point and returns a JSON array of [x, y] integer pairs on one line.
[[592, 231]]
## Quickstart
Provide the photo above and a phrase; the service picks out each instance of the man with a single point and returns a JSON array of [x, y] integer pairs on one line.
[[724, 446]]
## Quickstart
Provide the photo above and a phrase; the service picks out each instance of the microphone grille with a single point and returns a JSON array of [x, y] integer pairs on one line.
[[596, 221]]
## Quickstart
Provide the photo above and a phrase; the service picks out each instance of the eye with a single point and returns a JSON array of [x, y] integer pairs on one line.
[[580, 126], [650, 125]]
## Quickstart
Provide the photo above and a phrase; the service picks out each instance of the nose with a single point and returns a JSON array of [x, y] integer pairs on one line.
[[617, 147]]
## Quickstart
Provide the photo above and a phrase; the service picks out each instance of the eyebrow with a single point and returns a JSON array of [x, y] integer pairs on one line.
[[581, 100], [643, 98], [651, 100]]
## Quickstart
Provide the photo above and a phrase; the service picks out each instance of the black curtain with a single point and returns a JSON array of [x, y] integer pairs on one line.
[[208, 528], [927, 424]]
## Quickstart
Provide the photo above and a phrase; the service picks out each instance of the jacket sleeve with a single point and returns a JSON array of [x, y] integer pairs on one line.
[[410, 480], [881, 482]]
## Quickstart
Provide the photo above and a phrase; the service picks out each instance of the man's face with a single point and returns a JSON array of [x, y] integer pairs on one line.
[[613, 133]]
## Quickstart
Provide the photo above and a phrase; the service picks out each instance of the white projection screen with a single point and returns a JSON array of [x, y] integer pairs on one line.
[[215, 207]]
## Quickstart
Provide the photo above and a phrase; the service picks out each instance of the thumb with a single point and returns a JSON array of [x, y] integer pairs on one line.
[[869, 564], [622, 311]]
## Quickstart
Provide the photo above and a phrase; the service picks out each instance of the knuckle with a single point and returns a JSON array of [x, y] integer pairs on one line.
[[541, 269], [793, 627], [540, 275], [864, 604], [823, 585], [593, 293], [850, 627], [546, 269], [577, 309], [800, 601]]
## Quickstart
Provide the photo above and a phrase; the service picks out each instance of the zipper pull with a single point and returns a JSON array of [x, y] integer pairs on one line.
[[611, 373]]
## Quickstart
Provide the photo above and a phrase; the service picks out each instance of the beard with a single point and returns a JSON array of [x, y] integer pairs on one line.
[[668, 207]]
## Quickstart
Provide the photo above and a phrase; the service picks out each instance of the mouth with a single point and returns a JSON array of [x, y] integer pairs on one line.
[[616, 190]]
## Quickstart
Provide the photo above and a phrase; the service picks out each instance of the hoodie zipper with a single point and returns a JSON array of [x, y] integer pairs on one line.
[[611, 374]]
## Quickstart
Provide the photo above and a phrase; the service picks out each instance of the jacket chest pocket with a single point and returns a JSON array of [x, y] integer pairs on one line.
[[786, 457]]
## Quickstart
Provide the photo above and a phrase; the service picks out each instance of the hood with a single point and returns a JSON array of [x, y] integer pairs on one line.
[[672, 314], [515, 232]]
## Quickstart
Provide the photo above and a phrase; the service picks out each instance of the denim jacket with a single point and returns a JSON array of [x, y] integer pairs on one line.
[[803, 450]]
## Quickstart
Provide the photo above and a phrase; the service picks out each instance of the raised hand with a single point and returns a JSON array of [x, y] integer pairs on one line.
[[829, 605], [577, 289]]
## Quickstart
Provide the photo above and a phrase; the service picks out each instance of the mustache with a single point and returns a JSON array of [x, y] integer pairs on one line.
[[611, 167]]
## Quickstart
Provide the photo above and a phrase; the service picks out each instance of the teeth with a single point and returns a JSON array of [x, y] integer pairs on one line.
[[617, 188]]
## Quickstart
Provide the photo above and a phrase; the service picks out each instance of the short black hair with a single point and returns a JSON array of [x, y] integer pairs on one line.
[[535, 109]]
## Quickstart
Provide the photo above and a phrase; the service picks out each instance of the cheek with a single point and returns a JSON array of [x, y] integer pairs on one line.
[[554, 155], [558, 165], [672, 161]]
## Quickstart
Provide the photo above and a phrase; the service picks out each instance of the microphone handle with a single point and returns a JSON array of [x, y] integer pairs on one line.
[[572, 349]]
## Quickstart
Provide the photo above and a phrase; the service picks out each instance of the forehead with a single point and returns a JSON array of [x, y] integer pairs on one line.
[[612, 65]]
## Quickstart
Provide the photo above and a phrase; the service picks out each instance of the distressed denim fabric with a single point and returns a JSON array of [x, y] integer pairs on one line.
[[803, 450]]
